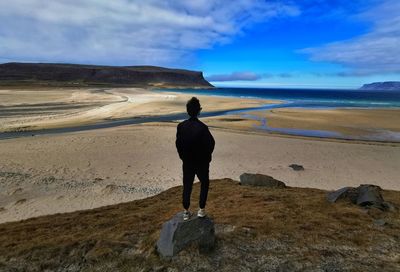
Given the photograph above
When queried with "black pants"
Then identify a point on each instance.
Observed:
(189, 171)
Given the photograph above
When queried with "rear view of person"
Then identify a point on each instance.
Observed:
(195, 145)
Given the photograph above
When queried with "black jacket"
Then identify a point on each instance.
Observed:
(194, 141)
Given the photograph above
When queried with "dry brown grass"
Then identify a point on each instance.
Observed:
(299, 217)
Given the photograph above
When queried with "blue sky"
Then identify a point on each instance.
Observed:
(287, 43)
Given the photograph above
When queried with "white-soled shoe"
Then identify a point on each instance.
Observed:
(201, 213)
(186, 215)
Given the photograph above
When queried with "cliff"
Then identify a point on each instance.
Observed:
(382, 86)
(87, 75)
(257, 229)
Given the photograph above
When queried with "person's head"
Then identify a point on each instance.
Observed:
(193, 107)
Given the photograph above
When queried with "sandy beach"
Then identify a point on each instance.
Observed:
(59, 173)
(65, 172)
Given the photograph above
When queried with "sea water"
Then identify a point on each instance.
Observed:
(311, 98)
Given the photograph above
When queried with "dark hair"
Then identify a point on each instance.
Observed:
(193, 107)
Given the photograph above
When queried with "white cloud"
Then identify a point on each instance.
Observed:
(160, 32)
(376, 52)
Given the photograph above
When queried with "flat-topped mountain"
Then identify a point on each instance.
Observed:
(84, 75)
(382, 86)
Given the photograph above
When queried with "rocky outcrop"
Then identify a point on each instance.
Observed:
(382, 86)
(260, 180)
(177, 234)
(365, 195)
(74, 74)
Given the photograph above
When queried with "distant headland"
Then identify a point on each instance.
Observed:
(56, 74)
(382, 86)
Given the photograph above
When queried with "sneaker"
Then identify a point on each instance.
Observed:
(201, 213)
(186, 215)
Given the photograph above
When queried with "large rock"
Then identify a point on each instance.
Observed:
(369, 195)
(365, 195)
(177, 234)
(260, 180)
(349, 193)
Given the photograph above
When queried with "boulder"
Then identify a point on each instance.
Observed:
(365, 195)
(177, 234)
(369, 195)
(297, 167)
(260, 180)
(349, 193)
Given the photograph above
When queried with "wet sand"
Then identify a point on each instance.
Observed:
(354, 124)
(345, 121)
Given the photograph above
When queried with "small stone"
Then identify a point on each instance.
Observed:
(297, 167)
(260, 180)
(380, 222)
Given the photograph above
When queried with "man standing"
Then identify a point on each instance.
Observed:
(195, 145)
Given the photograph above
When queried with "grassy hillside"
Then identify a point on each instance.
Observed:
(258, 229)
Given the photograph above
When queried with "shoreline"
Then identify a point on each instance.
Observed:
(90, 108)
